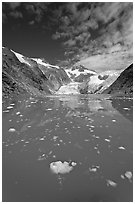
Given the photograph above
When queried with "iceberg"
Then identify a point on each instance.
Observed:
(59, 167)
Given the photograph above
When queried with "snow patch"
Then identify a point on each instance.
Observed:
(40, 61)
(21, 58)
(95, 80)
(76, 72)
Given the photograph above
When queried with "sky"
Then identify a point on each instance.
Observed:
(63, 32)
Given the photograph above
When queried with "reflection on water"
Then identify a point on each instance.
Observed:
(94, 132)
(124, 106)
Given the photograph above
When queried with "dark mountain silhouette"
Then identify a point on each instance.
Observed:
(123, 84)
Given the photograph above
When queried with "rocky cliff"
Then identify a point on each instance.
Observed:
(123, 84)
(21, 74)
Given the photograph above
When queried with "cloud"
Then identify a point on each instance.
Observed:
(16, 14)
(33, 11)
(36, 9)
(94, 27)
(14, 5)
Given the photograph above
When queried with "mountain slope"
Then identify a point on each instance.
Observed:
(79, 73)
(21, 74)
(99, 82)
(123, 84)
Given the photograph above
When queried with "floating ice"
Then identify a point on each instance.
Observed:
(122, 176)
(12, 130)
(126, 108)
(107, 140)
(128, 174)
(55, 137)
(5, 111)
(61, 167)
(41, 139)
(9, 107)
(121, 147)
(17, 113)
(73, 163)
(111, 183)
(113, 121)
(94, 169)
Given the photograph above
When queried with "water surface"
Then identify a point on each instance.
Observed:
(94, 131)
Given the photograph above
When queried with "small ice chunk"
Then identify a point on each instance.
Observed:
(17, 113)
(111, 183)
(97, 137)
(12, 130)
(86, 140)
(42, 138)
(126, 108)
(113, 121)
(94, 169)
(54, 156)
(73, 163)
(107, 140)
(122, 176)
(60, 167)
(42, 157)
(128, 174)
(121, 147)
(9, 107)
(5, 111)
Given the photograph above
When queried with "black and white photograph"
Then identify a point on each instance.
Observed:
(67, 101)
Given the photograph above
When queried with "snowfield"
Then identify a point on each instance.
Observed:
(21, 58)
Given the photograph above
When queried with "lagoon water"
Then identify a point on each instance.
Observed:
(95, 132)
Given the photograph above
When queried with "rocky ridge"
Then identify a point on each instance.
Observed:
(123, 84)
(21, 74)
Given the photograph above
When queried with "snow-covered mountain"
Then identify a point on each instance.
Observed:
(36, 76)
(102, 81)
(28, 61)
(79, 73)
(90, 82)
(21, 74)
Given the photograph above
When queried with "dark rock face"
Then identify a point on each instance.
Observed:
(103, 77)
(123, 84)
(83, 88)
(18, 77)
(57, 77)
(79, 73)
(82, 77)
